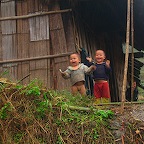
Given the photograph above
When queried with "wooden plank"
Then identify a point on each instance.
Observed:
(9, 52)
(8, 9)
(39, 31)
(39, 68)
(0, 38)
(36, 4)
(58, 43)
(7, 46)
(49, 74)
(8, 43)
(25, 24)
(22, 24)
(31, 6)
(69, 32)
(19, 13)
(39, 28)
(117, 63)
(23, 52)
(23, 41)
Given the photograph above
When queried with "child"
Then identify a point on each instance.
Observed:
(76, 72)
(101, 77)
(135, 92)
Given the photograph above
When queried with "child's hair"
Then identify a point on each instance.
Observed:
(76, 54)
(100, 50)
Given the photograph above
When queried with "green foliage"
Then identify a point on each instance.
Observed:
(6, 72)
(47, 116)
(34, 91)
(59, 141)
(104, 114)
(17, 137)
(33, 88)
(4, 110)
(19, 87)
(43, 106)
(95, 134)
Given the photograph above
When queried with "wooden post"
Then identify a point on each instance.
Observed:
(126, 56)
(132, 52)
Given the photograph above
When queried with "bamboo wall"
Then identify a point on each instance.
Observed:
(52, 35)
(34, 37)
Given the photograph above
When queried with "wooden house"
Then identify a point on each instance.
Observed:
(37, 36)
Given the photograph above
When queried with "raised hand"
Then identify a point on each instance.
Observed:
(89, 59)
(108, 63)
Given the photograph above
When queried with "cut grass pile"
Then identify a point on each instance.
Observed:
(32, 115)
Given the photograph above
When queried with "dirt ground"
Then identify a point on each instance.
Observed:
(128, 127)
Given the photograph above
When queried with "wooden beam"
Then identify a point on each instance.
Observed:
(34, 15)
(36, 58)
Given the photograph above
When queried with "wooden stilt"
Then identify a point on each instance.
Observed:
(126, 57)
(132, 51)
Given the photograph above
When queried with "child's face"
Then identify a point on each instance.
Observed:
(134, 85)
(100, 56)
(74, 60)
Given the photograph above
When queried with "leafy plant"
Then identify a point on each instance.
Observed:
(43, 106)
(33, 88)
(19, 87)
(104, 114)
(17, 137)
(4, 110)
(59, 141)
(95, 134)
(33, 91)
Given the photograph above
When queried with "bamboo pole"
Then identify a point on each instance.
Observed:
(132, 52)
(34, 15)
(103, 104)
(126, 56)
(36, 58)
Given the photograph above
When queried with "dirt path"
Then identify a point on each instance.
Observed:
(128, 128)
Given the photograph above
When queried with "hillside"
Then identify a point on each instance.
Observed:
(30, 114)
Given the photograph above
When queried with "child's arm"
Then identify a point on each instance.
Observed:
(65, 74)
(90, 61)
(89, 70)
